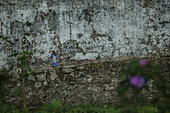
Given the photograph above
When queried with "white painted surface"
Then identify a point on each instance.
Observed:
(106, 28)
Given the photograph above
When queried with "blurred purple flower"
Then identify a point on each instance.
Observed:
(142, 81)
(137, 81)
(134, 80)
(142, 62)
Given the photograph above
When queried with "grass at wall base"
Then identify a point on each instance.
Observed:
(56, 107)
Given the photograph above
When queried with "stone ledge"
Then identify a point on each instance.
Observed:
(93, 62)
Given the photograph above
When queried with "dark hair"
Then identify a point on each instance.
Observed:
(53, 51)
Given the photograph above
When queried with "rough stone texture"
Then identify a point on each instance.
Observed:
(85, 83)
(83, 29)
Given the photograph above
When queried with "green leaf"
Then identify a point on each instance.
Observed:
(123, 87)
(15, 54)
(52, 107)
(27, 72)
(121, 75)
(27, 53)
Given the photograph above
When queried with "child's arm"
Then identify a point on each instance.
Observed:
(51, 56)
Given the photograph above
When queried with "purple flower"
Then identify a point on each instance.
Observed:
(134, 80)
(137, 81)
(142, 81)
(142, 62)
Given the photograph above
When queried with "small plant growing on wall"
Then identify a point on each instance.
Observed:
(23, 59)
(135, 84)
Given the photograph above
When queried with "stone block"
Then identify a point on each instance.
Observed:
(80, 68)
(67, 70)
(105, 87)
(53, 76)
(31, 77)
(96, 89)
(45, 83)
(89, 79)
(38, 84)
(41, 77)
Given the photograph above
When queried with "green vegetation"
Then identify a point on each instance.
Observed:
(23, 59)
(136, 80)
(8, 109)
(56, 107)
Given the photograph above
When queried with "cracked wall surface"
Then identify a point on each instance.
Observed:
(83, 29)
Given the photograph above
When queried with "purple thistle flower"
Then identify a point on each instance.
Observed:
(134, 80)
(142, 62)
(137, 81)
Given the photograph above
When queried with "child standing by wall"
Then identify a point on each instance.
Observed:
(52, 54)
(54, 60)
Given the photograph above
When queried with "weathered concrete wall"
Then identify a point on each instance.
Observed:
(76, 84)
(84, 29)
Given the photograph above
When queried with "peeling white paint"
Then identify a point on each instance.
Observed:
(100, 28)
(80, 56)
